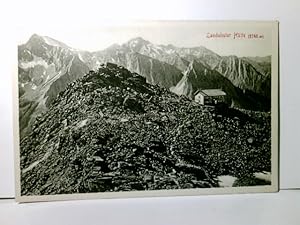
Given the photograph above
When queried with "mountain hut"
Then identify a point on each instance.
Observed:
(210, 96)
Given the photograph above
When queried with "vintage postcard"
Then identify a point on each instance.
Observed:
(147, 108)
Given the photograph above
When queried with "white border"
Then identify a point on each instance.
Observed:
(164, 193)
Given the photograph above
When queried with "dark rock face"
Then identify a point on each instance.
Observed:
(112, 131)
(198, 76)
(155, 71)
(76, 70)
(244, 75)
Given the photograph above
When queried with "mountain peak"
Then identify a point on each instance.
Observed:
(113, 47)
(170, 46)
(136, 43)
(36, 39)
(138, 39)
(53, 42)
(34, 36)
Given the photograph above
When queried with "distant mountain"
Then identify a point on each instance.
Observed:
(197, 76)
(142, 57)
(176, 56)
(262, 64)
(248, 74)
(241, 73)
(47, 66)
(155, 71)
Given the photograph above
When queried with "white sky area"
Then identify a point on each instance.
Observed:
(180, 34)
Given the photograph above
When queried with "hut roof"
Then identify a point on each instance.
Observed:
(211, 92)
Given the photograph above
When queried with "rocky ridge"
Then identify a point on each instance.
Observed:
(112, 131)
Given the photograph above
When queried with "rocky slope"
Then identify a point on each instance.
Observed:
(112, 131)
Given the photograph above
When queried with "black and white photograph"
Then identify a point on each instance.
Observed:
(147, 108)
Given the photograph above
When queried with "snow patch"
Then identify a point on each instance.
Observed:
(170, 51)
(34, 164)
(82, 123)
(133, 43)
(26, 50)
(226, 180)
(80, 56)
(52, 42)
(263, 176)
(155, 50)
(36, 61)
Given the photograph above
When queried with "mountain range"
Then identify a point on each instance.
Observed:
(46, 66)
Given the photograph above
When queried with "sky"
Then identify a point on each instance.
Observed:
(223, 38)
